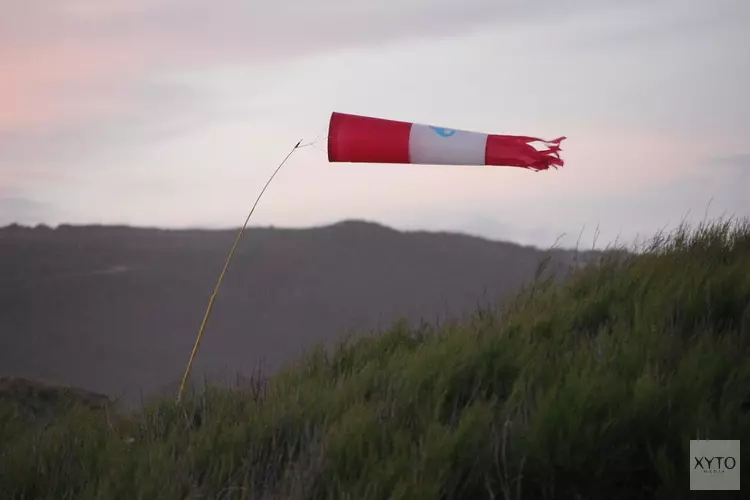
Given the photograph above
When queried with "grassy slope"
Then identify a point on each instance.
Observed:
(590, 389)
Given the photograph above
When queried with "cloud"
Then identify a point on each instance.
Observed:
(73, 60)
(147, 110)
(60, 61)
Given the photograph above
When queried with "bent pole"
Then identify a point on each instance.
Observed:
(211, 301)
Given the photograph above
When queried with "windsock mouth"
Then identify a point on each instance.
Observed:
(331, 136)
(363, 139)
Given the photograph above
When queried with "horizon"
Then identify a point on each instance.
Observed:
(158, 113)
(618, 245)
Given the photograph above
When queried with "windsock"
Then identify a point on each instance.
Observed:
(363, 139)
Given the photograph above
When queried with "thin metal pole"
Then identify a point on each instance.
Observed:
(221, 278)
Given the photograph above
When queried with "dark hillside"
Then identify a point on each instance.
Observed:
(116, 309)
(588, 389)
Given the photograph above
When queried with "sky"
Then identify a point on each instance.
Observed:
(174, 113)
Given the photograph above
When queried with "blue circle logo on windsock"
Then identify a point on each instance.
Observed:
(443, 132)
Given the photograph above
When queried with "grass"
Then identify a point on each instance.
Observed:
(587, 388)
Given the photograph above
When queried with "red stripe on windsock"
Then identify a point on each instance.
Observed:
(362, 139)
(515, 151)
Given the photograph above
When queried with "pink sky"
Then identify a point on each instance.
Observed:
(129, 112)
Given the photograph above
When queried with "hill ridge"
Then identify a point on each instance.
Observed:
(115, 309)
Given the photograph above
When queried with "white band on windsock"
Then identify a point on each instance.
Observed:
(439, 146)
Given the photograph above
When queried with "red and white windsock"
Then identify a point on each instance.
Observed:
(363, 139)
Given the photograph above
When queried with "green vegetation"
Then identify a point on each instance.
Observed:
(589, 388)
